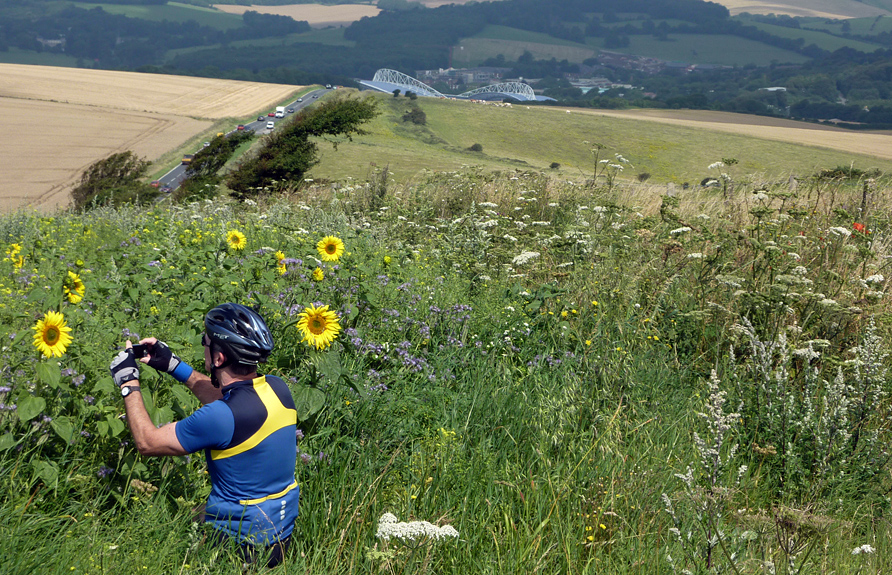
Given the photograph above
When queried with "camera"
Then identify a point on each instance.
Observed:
(140, 350)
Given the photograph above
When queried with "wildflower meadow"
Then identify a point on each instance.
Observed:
(494, 373)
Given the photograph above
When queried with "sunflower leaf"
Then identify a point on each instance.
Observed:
(29, 407)
(49, 373)
(64, 427)
(307, 401)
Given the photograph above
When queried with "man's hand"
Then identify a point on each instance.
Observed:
(161, 358)
(124, 368)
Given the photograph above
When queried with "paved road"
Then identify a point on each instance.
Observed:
(175, 177)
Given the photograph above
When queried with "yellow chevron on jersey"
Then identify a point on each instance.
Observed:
(278, 416)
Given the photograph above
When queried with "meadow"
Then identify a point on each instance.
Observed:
(670, 145)
(586, 377)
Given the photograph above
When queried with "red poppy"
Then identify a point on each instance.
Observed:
(860, 228)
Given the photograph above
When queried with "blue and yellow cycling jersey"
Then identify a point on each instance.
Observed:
(251, 450)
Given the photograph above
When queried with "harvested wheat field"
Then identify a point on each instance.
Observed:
(876, 144)
(158, 93)
(836, 9)
(316, 15)
(58, 121)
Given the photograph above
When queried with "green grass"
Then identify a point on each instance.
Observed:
(517, 35)
(860, 26)
(822, 40)
(533, 138)
(708, 49)
(172, 11)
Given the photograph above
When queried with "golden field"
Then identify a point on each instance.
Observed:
(58, 121)
(316, 15)
(836, 9)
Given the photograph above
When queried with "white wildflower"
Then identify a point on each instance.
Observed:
(760, 196)
(487, 224)
(866, 549)
(540, 223)
(680, 230)
(840, 231)
(510, 238)
(488, 205)
(565, 265)
(716, 165)
(391, 528)
(875, 279)
(695, 256)
(524, 257)
(599, 209)
(552, 204)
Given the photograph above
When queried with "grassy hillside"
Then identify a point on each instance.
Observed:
(579, 380)
(531, 137)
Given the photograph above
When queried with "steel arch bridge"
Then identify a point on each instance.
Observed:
(517, 90)
(524, 91)
(400, 79)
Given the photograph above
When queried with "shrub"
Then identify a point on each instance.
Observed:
(416, 115)
(114, 180)
(554, 166)
(476, 148)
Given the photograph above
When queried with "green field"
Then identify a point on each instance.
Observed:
(31, 58)
(822, 40)
(511, 43)
(708, 49)
(860, 26)
(172, 11)
(532, 137)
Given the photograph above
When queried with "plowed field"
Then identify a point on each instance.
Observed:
(58, 121)
(836, 9)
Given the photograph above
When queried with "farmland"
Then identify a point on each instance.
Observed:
(836, 9)
(317, 15)
(79, 116)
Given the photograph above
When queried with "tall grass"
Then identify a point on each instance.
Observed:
(548, 368)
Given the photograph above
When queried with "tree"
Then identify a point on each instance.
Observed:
(415, 115)
(114, 180)
(288, 153)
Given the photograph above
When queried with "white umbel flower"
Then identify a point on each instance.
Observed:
(524, 257)
(389, 527)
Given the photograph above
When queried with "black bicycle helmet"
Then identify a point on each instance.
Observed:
(239, 332)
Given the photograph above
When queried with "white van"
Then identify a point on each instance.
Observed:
(270, 125)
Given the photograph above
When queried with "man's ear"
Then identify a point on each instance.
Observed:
(219, 359)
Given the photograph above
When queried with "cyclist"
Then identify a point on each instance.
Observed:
(246, 427)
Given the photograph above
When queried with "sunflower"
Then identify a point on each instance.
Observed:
(52, 334)
(318, 274)
(319, 326)
(236, 240)
(330, 248)
(74, 288)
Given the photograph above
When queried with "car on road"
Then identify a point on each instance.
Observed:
(271, 115)
(328, 86)
(270, 125)
(260, 118)
(155, 183)
(240, 128)
(187, 159)
(290, 110)
(165, 189)
(300, 99)
(315, 96)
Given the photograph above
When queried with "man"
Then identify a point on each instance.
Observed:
(246, 427)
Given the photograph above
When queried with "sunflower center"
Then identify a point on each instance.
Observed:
(51, 335)
(331, 249)
(316, 326)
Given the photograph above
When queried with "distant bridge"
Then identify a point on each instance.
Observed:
(386, 80)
